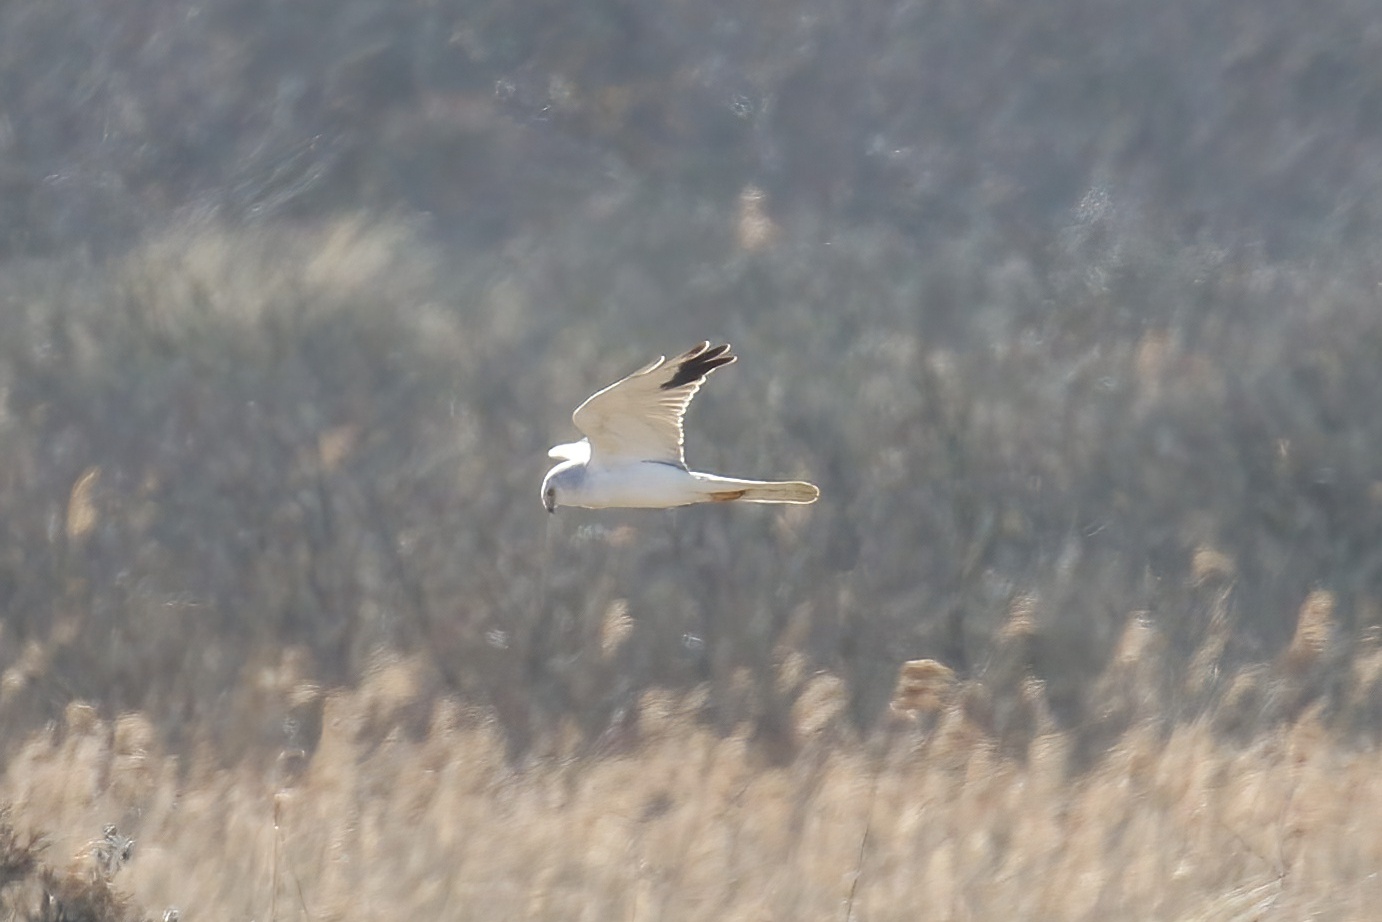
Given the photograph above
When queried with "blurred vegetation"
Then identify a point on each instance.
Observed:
(1243, 123)
(1071, 310)
(682, 821)
(31, 889)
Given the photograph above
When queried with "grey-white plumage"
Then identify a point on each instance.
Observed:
(632, 454)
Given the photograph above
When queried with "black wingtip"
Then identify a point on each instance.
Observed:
(698, 363)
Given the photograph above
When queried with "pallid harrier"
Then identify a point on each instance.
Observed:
(631, 455)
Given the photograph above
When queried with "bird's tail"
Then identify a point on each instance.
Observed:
(732, 489)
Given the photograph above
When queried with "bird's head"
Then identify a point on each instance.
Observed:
(557, 481)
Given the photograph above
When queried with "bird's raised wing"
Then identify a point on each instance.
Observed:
(639, 418)
(571, 451)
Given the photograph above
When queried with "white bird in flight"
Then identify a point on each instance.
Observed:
(631, 455)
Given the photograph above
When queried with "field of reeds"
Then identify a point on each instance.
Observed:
(410, 805)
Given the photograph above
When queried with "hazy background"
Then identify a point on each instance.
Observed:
(1070, 308)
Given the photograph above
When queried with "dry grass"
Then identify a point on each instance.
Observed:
(392, 817)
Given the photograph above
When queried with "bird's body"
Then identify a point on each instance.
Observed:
(632, 456)
(660, 485)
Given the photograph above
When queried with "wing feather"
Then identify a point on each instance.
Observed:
(571, 451)
(639, 418)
